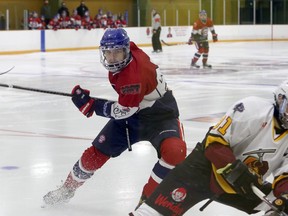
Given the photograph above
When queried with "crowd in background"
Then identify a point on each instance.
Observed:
(79, 19)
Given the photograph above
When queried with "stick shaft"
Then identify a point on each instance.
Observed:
(43, 91)
(262, 196)
(173, 44)
(36, 90)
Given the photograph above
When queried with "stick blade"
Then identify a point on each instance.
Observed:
(4, 72)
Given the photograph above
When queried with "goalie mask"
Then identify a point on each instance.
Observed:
(115, 49)
(281, 97)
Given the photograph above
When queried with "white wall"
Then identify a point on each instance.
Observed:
(18, 41)
(30, 40)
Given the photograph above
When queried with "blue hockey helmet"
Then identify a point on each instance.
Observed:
(115, 49)
(203, 16)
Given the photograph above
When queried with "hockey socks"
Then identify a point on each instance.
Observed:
(91, 160)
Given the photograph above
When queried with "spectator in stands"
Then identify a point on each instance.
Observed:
(97, 21)
(34, 21)
(82, 9)
(100, 12)
(76, 20)
(54, 23)
(64, 21)
(2, 21)
(110, 20)
(63, 8)
(121, 22)
(43, 23)
(103, 21)
(46, 11)
(87, 21)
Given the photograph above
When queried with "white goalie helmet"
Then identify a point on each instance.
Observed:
(281, 100)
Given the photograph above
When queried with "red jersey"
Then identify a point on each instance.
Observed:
(76, 20)
(202, 28)
(35, 23)
(64, 22)
(53, 24)
(136, 80)
(96, 23)
(120, 23)
(110, 23)
(87, 23)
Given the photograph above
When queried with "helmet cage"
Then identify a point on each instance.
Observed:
(281, 101)
(203, 16)
(115, 66)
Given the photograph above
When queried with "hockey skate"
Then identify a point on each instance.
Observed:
(58, 196)
(194, 65)
(207, 66)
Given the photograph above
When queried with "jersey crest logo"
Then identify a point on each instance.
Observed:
(118, 112)
(239, 107)
(179, 194)
(102, 139)
(204, 31)
(131, 89)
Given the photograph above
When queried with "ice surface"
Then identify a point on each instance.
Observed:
(43, 135)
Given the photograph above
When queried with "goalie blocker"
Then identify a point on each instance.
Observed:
(189, 183)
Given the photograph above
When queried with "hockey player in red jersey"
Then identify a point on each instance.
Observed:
(145, 110)
(110, 20)
(87, 21)
(199, 35)
(248, 145)
(35, 22)
(103, 21)
(121, 22)
(54, 23)
(97, 21)
(64, 21)
(75, 20)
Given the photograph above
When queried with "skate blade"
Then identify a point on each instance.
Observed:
(55, 205)
(194, 68)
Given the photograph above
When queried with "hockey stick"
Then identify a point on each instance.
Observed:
(1, 73)
(263, 197)
(174, 44)
(40, 90)
(35, 90)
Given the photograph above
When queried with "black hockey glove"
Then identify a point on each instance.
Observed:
(83, 101)
(215, 37)
(190, 41)
(240, 177)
